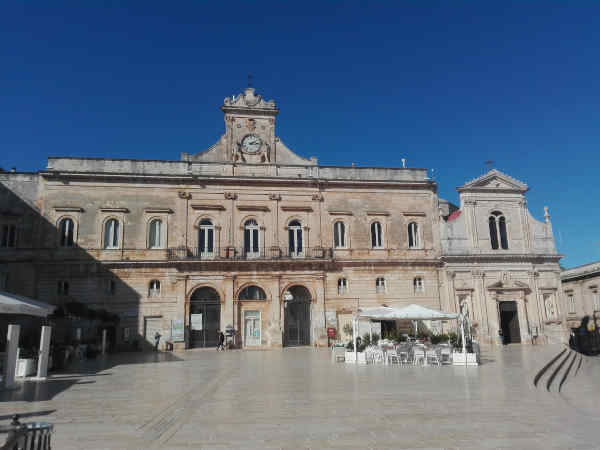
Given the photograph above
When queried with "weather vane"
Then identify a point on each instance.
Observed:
(249, 80)
(489, 163)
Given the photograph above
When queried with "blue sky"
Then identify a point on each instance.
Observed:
(446, 85)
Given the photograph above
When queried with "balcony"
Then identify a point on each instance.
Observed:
(236, 253)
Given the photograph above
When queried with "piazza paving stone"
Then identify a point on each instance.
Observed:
(298, 398)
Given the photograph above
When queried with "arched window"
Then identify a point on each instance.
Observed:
(295, 238)
(342, 286)
(251, 239)
(111, 234)
(376, 235)
(413, 235)
(66, 229)
(498, 234)
(206, 238)
(155, 237)
(418, 284)
(154, 288)
(252, 293)
(380, 284)
(8, 237)
(339, 235)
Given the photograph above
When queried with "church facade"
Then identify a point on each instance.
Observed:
(250, 235)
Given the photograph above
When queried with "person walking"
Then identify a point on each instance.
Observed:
(156, 340)
(221, 340)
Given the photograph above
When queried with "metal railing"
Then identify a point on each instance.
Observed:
(27, 436)
(236, 253)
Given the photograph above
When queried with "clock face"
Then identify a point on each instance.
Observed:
(251, 143)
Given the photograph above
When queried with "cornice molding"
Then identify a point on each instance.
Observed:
(206, 207)
(111, 209)
(68, 209)
(253, 208)
(158, 211)
(297, 208)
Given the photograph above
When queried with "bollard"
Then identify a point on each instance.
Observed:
(42, 371)
(12, 345)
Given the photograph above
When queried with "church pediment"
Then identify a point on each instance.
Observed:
(495, 180)
(508, 285)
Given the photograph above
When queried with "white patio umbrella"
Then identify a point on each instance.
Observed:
(17, 304)
(410, 312)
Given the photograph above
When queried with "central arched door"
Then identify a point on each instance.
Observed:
(205, 317)
(297, 317)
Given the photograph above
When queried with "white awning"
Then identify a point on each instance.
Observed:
(411, 312)
(16, 304)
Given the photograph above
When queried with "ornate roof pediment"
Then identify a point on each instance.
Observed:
(495, 180)
(249, 100)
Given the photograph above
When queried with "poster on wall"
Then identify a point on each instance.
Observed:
(196, 322)
(177, 330)
(331, 319)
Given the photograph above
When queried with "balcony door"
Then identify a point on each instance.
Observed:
(251, 239)
(206, 239)
(295, 239)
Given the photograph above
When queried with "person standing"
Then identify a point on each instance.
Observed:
(156, 341)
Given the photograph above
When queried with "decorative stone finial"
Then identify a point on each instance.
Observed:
(546, 214)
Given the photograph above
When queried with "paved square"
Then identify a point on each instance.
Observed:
(298, 398)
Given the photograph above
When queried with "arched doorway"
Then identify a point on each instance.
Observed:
(296, 323)
(205, 317)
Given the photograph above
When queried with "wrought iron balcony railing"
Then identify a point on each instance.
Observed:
(236, 253)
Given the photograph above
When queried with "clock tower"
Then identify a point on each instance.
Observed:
(250, 128)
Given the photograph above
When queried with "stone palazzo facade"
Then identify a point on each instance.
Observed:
(250, 234)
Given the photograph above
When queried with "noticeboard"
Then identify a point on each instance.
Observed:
(196, 322)
(177, 331)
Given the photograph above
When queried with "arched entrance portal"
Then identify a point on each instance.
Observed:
(205, 317)
(297, 317)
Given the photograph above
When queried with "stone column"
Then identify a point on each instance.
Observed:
(42, 371)
(12, 345)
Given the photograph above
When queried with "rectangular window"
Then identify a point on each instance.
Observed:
(3, 281)
(62, 288)
(380, 285)
(596, 300)
(8, 235)
(110, 286)
(571, 304)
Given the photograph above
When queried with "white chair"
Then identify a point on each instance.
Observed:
(446, 355)
(432, 357)
(418, 355)
(393, 357)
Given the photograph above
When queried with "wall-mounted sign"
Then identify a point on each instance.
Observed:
(177, 330)
(196, 322)
(331, 333)
(331, 319)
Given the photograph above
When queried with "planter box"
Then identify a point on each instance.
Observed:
(362, 357)
(458, 359)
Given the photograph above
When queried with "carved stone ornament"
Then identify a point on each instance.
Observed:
(184, 195)
(276, 197)
(249, 99)
(230, 195)
(318, 197)
(251, 124)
